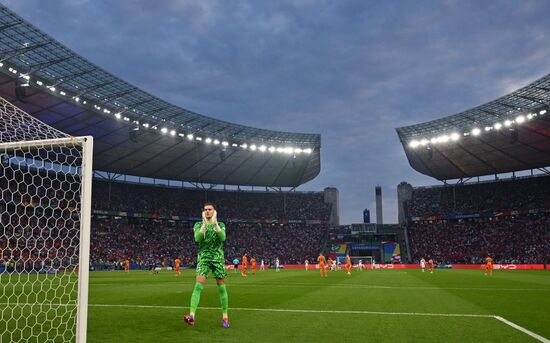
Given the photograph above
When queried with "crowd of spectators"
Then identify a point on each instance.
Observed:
(524, 239)
(169, 201)
(159, 242)
(512, 194)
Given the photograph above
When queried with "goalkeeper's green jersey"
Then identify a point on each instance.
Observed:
(211, 245)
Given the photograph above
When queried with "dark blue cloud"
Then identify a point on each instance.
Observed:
(350, 70)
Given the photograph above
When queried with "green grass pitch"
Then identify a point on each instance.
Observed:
(300, 306)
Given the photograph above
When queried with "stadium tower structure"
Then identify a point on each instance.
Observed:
(136, 133)
(509, 134)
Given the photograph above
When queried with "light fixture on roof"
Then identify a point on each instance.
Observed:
(173, 132)
(476, 131)
(520, 119)
(216, 142)
(279, 149)
(413, 144)
(542, 112)
(262, 148)
(507, 123)
(253, 147)
(224, 143)
(308, 151)
(164, 130)
(190, 136)
(208, 140)
(424, 141)
(297, 151)
(497, 126)
(117, 115)
(444, 138)
(146, 125)
(244, 146)
(198, 139)
(455, 136)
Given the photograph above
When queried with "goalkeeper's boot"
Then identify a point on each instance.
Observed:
(225, 323)
(189, 319)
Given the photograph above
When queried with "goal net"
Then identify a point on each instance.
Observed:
(45, 183)
(367, 261)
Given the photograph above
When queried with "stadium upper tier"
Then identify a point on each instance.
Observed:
(135, 132)
(508, 134)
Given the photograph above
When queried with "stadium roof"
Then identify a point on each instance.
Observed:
(135, 132)
(508, 134)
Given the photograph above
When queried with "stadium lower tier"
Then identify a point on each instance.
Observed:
(512, 240)
(150, 242)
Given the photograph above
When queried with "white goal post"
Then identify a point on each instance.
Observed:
(367, 260)
(45, 212)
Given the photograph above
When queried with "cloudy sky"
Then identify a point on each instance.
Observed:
(350, 70)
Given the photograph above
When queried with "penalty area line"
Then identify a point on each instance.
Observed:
(462, 315)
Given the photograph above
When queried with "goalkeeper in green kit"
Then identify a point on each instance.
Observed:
(209, 235)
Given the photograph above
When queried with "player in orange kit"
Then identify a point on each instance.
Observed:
(431, 265)
(322, 268)
(127, 266)
(489, 266)
(245, 265)
(330, 264)
(177, 266)
(253, 265)
(348, 264)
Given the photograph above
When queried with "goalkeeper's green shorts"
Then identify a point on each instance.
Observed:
(216, 267)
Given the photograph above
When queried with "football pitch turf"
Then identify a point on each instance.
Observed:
(299, 306)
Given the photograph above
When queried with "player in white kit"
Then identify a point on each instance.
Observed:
(277, 264)
(262, 265)
(307, 264)
(422, 264)
(360, 265)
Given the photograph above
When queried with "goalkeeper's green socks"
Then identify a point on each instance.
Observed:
(224, 300)
(195, 297)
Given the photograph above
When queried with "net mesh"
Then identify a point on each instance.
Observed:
(40, 214)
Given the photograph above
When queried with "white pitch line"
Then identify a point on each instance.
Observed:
(522, 329)
(309, 311)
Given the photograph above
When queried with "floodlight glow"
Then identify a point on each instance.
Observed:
(271, 149)
(164, 130)
(216, 142)
(444, 138)
(234, 145)
(244, 146)
(146, 125)
(190, 137)
(253, 147)
(84, 102)
(62, 93)
(39, 83)
(542, 112)
(476, 131)
(181, 135)
(497, 126)
(1, 64)
(199, 139)
(173, 132)
(308, 150)
(507, 123)
(488, 128)
(279, 149)
(424, 141)
(433, 140)
(224, 143)
(530, 116)
(455, 136)
(297, 151)
(414, 144)
(288, 150)
(208, 140)
(520, 119)
(77, 99)
(262, 148)
(126, 119)
(117, 115)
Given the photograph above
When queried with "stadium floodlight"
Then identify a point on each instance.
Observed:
(279, 149)
(414, 144)
(424, 142)
(198, 138)
(433, 140)
(297, 151)
(262, 148)
(507, 123)
(308, 151)
(244, 146)
(164, 130)
(497, 126)
(126, 119)
(1, 64)
(455, 136)
(271, 149)
(224, 143)
(208, 140)
(542, 112)
(117, 115)
(216, 142)
(234, 145)
(173, 132)
(476, 131)
(530, 116)
(253, 147)
(40, 83)
(190, 136)
(443, 138)
(62, 93)
(146, 125)
(488, 128)
(520, 119)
